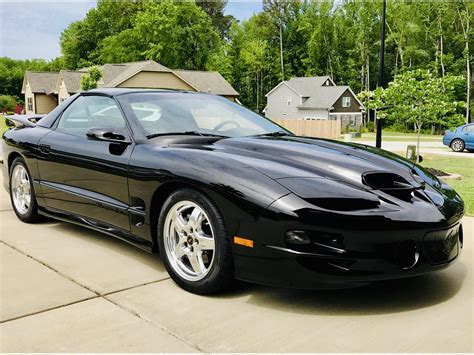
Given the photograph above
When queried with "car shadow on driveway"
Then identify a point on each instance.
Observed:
(384, 297)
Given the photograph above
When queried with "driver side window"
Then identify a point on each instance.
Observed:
(90, 112)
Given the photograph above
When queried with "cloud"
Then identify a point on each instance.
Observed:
(32, 29)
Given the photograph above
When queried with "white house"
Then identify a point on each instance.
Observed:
(314, 98)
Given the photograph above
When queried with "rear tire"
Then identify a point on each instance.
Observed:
(457, 145)
(193, 242)
(22, 193)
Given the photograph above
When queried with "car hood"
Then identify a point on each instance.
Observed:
(300, 157)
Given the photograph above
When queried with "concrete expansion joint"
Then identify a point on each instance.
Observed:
(156, 325)
(50, 267)
(97, 295)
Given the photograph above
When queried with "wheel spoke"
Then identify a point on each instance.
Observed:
(179, 251)
(196, 218)
(196, 262)
(179, 222)
(205, 242)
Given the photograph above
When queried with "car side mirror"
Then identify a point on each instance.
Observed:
(112, 135)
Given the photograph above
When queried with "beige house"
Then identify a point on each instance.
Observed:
(40, 91)
(44, 90)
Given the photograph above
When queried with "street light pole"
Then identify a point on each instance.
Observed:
(378, 137)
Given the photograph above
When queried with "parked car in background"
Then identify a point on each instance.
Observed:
(462, 138)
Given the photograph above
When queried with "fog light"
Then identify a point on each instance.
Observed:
(297, 237)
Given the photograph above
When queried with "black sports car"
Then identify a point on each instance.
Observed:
(224, 193)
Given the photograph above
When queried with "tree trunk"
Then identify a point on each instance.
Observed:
(281, 54)
(466, 30)
(367, 75)
(441, 48)
(257, 91)
(468, 74)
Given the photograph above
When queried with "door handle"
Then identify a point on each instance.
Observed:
(45, 149)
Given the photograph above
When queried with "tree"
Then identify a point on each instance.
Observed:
(465, 12)
(215, 10)
(420, 98)
(177, 35)
(7, 103)
(12, 72)
(89, 80)
(81, 41)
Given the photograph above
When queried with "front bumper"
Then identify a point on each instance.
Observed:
(347, 250)
(287, 267)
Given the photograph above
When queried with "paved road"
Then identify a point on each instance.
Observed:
(66, 288)
(400, 147)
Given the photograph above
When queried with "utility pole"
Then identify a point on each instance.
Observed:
(378, 137)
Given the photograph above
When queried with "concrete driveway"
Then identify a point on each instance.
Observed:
(65, 288)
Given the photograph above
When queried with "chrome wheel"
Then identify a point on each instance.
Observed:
(457, 145)
(188, 238)
(21, 189)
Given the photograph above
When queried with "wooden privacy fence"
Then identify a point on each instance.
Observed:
(311, 128)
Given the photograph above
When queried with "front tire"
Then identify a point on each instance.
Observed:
(193, 243)
(457, 145)
(22, 193)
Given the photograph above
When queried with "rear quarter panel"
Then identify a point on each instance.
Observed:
(23, 142)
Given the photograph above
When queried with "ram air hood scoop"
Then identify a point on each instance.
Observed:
(289, 157)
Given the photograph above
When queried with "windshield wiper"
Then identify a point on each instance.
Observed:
(186, 133)
(274, 134)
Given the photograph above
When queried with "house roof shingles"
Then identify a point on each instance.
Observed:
(207, 81)
(72, 80)
(114, 74)
(42, 82)
(307, 87)
(324, 98)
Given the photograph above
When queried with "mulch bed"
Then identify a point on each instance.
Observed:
(437, 172)
(444, 175)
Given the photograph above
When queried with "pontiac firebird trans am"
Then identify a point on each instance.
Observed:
(224, 193)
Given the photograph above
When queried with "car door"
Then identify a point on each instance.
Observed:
(84, 177)
(468, 136)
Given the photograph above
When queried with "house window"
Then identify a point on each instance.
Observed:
(288, 101)
(29, 102)
(346, 101)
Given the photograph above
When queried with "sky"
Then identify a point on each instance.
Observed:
(31, 29)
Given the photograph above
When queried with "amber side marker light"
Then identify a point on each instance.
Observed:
(243, 241)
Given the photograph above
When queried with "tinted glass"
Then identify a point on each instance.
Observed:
(90, 112)
(161, 113)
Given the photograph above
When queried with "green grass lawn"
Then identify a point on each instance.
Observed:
(3, 125)
(462, 166)
(401, 137)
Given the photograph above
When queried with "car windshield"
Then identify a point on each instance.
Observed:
(163, 113)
